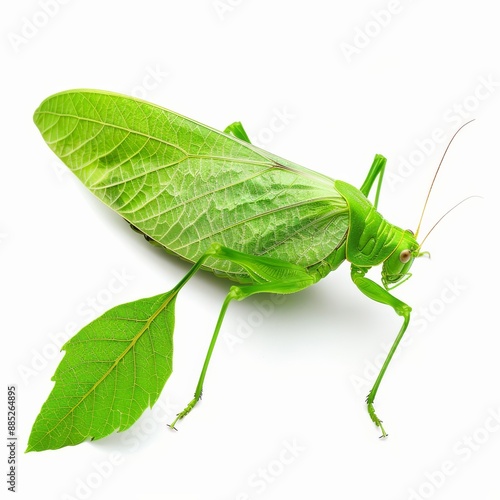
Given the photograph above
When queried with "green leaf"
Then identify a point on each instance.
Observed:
(113, 369)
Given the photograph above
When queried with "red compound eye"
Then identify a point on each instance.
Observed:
(405, 256)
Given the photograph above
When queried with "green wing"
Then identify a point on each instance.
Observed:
(186, 185)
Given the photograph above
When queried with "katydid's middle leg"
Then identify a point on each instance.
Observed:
(270, 276)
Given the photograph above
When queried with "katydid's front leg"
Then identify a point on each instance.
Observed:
(379, 294)
(269, 276)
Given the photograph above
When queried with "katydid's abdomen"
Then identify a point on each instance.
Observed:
(185, 185)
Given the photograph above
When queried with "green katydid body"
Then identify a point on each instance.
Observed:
(185, 186)
(214, 199)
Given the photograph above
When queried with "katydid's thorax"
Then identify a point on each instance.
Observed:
(371, 240)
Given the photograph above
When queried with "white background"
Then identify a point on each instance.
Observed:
(301, 374)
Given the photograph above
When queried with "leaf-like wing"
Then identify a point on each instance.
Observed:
(113, 369)
(186, 185)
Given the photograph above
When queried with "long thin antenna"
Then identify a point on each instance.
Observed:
(443, 216)
(434, 179)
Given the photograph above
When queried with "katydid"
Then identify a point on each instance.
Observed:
(221, 203)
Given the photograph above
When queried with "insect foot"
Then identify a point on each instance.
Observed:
(373, 416)
(184, 412)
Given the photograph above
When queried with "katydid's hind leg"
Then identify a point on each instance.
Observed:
(291, 279)
(379, 294)
(199, 388)
(236, 130)
(376, 170)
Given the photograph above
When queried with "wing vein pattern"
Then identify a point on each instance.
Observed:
(186, 185)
